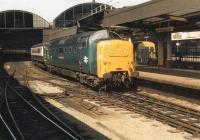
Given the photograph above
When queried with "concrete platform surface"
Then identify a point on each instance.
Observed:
(186, 82)
(170, 71)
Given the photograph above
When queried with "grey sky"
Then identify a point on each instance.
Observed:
(49, 9)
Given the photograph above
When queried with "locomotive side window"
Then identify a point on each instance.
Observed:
(70, 49)
(61, 53)
(61, 50)
(84, 42)
(70, 42)
(75, 50)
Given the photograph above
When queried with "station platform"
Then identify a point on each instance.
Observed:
(170, 76)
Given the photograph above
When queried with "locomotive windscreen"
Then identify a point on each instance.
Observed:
(100, 35)
(103, 35)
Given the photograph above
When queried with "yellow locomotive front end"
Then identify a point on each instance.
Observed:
(115, 62)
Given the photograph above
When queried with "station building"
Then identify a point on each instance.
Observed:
(173, 25)
(174, 28)
(70, 16)
(19, 30)
(66, 22)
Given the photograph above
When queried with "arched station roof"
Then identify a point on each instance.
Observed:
(21, 19)
(69, 17)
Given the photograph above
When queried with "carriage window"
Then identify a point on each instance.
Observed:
(36, 50)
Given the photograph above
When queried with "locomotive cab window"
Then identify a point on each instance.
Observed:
(114, 35)
(100, 35)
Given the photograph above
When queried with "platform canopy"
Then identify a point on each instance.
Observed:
(17, 19)
(70, 16)
(162, 15)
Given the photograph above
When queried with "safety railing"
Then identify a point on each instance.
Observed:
(100, 9)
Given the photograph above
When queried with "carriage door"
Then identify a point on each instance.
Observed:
(83, 55)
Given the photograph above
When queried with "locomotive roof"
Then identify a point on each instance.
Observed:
(77, 35)
(62, 40)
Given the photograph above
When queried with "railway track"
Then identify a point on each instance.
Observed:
(26, 118)
(180, 117)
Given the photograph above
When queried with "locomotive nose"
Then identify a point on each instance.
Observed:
(114, 56)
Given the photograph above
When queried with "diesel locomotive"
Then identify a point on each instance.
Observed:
(146, 53)
(96, 58)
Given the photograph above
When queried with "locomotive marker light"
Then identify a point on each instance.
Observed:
(112, 51)
(85, 59)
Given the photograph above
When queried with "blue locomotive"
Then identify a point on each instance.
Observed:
(97, 58)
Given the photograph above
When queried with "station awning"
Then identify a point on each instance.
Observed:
(154, 12)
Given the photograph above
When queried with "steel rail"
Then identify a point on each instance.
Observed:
(1, 117)
(162, 110)
(30, 105)
(54, 116)
(8, 107)
(152, 107)
(8, 128)
(44, 116)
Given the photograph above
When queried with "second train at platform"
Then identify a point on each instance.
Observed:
(97, 58)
